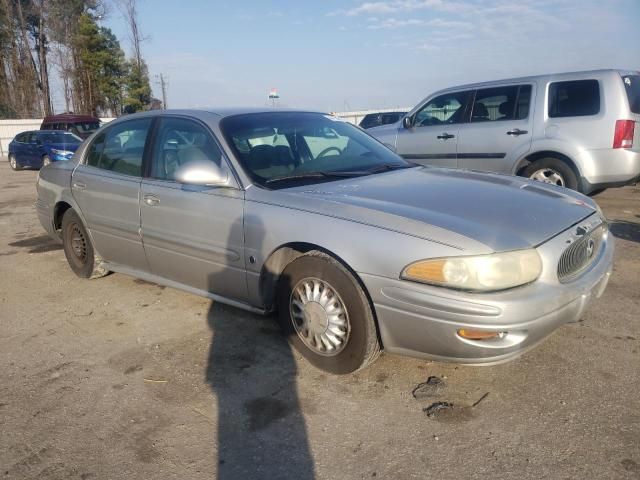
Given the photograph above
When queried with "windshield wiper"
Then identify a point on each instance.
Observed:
(314, 174)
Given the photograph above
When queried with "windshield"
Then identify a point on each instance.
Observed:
(304, 147)
(632, 86)
(85, 127)
(60, 137)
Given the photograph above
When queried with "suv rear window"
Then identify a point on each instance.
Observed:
(576, 98)
(632, 86)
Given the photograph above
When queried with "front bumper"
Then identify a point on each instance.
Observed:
(423, 321)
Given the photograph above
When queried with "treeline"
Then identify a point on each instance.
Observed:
(39, 37)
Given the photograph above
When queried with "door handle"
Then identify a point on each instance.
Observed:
(445, 136)
(151, 200)
(79, 185)
(516, 131)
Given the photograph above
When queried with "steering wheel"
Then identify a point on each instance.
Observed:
(327, 150)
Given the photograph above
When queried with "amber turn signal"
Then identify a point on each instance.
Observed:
(479, 334)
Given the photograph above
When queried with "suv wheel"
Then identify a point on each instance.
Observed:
(552, 171)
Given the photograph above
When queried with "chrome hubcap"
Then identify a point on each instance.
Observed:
(46, 161)
(548, 175)
(12, 160)
(319, 316)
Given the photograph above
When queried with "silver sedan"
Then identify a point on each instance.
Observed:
(356, 249)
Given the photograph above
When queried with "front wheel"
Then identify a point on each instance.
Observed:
(552, 171)
(46, 160)
(14, 163)
(326, 314)
(78, 248)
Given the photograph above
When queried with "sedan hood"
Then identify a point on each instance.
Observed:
(501, 212)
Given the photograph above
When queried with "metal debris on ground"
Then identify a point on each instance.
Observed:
(480, 399)
(430, 388)
(436, 408)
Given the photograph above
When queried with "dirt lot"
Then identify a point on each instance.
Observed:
(118, 378)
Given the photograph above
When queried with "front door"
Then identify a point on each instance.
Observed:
(499, 131)
(107, 189)
(192, 234)
(432, 138)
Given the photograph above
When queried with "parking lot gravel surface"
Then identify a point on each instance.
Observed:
(118, 378)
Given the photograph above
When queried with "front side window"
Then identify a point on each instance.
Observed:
(282, 149)
(632, 87)
(443, 110)
(179, 142)
(120, 149)
(576, 98)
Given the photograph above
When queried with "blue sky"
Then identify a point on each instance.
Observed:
(350, 55)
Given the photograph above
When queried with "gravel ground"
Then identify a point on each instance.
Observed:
(118, 378)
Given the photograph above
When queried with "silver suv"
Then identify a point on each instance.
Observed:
(578, 130)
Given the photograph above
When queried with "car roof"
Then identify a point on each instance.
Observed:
(554, 76)
(211, 114)
(70, 117)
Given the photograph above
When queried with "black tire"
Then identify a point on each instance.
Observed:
(78, 248)
(13, 163)
(361, 347)
(568, 176)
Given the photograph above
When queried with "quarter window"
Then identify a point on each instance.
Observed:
(179, 142)
(121, 148)
(445, 109)
(576, 98)
(632, 86)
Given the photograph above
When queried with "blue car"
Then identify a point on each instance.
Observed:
(41, 147)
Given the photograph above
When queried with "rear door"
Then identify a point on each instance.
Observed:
(106, 187)
(192, 234)
(433, 137)
(500, 129)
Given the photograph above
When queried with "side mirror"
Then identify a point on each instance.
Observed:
(407, 122)
(202, 172)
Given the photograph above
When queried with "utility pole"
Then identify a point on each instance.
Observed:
(163, 85)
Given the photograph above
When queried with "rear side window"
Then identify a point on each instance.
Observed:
(493, 104)
(632, 86)
(576, 98)
(120, 149)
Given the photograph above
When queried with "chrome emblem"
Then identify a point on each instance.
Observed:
(591, 246)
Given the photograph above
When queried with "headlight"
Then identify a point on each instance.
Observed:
(483, 273)
(62, 153)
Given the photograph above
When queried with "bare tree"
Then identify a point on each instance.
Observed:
(130, 11)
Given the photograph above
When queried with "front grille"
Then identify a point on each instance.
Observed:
(580, 254)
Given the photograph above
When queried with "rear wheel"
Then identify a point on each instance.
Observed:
(553, 171)
(14, 163)
(78, 248)
(326, 314)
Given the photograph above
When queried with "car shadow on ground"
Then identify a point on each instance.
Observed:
(39, 244)
(252, 372)
(625, 230)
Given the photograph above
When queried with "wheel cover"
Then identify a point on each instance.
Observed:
(78, 243)
(319, 316)
(548, 175)
(46, 161)
(12, 161)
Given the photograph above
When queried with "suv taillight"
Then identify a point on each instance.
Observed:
(623, 136)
